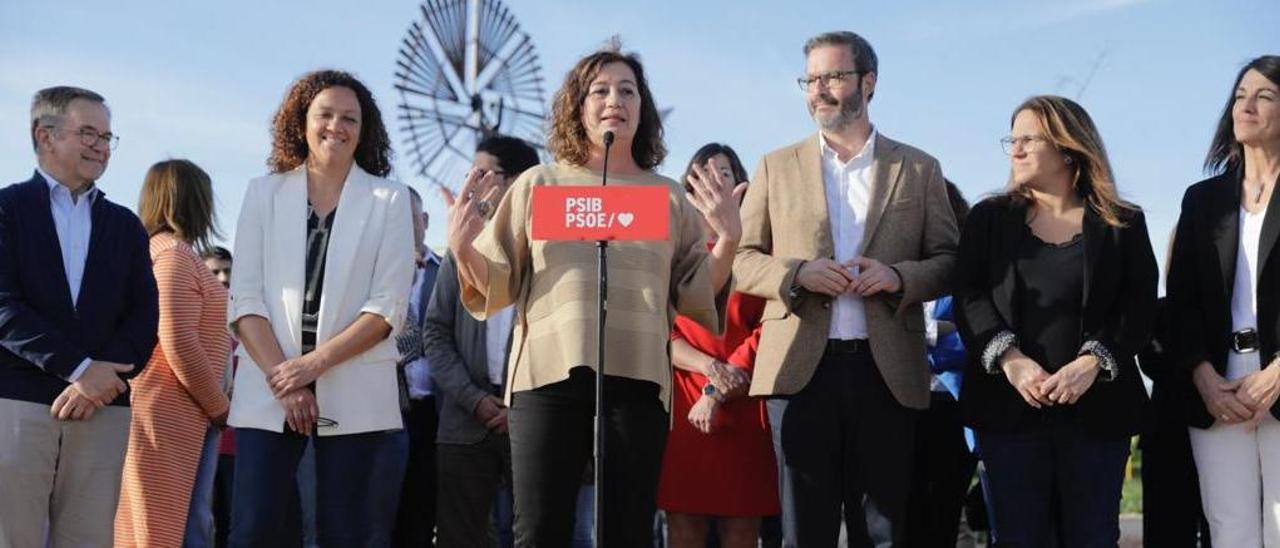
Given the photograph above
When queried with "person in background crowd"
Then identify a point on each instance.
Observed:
(470, 370)
(719, 458)
(1224, 294)
(1055, 293)
(845, 234)
(321, 286)
(416, 516)
(944, 460)
(178, 400)
(78, 317)
(1172, 515)
(550, 384)
(219, 262)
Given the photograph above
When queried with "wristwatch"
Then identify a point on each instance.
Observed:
(710, 391)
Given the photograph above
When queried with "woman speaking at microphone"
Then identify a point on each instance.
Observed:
(551, 374)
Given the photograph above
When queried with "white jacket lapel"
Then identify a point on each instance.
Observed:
(354, 205)
(287, 257)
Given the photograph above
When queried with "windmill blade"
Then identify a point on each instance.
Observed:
(449, 102)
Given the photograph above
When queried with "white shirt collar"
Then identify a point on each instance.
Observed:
(54, 185)
(864, 156)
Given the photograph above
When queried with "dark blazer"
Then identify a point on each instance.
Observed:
(455, 344)
(1202, 274)
(43, 338)
(1119, 306)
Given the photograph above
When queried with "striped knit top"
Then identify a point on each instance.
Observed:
(553, 287)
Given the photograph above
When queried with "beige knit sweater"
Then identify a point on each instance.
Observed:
(553, 286)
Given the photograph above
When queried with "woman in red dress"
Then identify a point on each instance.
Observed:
(719, 458)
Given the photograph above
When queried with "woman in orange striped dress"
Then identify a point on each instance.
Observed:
(180, 392)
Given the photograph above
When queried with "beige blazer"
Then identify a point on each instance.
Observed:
(369, 268)
(910, 226)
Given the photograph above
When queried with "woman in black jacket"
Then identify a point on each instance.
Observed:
(1224, 288)
(1055, 294)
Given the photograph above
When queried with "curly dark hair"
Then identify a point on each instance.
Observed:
(568, 138)
(289, 128)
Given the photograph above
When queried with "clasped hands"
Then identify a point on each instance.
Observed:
(1040, 389)
(290, 382)
(862, 276)
(98, 385)
(1247, 399)
(729, 382)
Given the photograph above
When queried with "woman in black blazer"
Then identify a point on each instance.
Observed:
(1224, 288)
(1055, 292)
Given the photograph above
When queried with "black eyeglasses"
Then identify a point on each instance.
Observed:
(828, 79)
(326, 423)
(90, 137)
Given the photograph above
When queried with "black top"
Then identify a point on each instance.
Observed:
(318, 231)
(1112, 283)
(1050, 286)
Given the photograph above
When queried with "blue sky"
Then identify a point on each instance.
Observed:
(202, 80)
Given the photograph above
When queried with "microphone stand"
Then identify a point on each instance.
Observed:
(602, 252)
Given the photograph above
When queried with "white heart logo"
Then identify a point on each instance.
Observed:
(626, 218)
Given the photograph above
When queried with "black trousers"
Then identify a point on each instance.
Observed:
(845, 450)
(551, 443)
(1172, 515)
(469, 479)
(943, 472)
(416, 516)
(223, 480)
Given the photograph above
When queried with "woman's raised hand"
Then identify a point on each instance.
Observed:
(716, 194)
(472, 206)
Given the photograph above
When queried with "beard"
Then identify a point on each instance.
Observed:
(849, 109)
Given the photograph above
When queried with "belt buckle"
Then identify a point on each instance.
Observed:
(1244, 341)
(852, 346)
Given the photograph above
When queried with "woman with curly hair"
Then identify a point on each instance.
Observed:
(324, 262)
(550, 377)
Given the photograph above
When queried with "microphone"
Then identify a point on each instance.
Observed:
(608, 142)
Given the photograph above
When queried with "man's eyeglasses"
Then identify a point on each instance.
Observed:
(828, 79)
(326, 423)
(1028, 143)
(90, 137)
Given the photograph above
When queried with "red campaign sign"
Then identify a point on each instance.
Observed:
(600, 213)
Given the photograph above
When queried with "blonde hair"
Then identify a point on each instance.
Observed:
(177, 197)
(1072, 132)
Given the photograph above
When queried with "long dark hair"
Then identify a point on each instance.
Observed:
(289, 129)
(568, 138)
(1225, 153)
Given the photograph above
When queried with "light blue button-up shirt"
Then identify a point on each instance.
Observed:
(73, 219)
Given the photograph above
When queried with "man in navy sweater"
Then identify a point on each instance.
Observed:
(78, 317)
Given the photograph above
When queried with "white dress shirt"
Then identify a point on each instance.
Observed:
(73, 220)
(848, 188)
(497, 331)
(1244, 296)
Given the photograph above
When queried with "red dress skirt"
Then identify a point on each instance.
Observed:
(730, 472)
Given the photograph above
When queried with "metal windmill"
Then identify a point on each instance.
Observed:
(466, 71)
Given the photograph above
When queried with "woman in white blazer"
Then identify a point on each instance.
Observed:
(324, 262)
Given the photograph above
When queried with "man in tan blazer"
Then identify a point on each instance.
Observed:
(845, 233)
